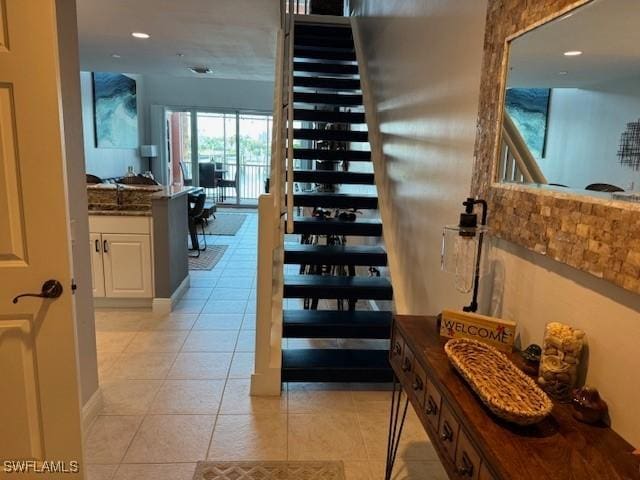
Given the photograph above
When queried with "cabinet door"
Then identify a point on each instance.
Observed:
(127, 265)
(97, 269)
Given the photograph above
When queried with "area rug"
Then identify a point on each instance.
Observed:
(207, 259)
(225, 224)
(284, 470)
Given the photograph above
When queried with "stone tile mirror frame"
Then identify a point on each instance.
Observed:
(598, 236)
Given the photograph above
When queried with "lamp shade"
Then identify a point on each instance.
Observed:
(148, 151)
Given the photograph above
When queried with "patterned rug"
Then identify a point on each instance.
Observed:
(225, 224)
(284, 470)
(207, 259)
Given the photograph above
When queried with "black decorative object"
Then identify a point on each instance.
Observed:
(629, 150)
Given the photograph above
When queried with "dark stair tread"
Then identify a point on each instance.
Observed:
(328, 116)
(329, 226)
(333, 31)
(336, 200)
(332, 135)
(320, 365)
(324, 54)
(302, 39)
(325, 67)
(336, 324)
(335, 255)
(327, 98)
(329, 83)
(333, 177)
(336, 155)
(330, 287)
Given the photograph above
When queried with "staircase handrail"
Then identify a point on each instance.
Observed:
(518, 164)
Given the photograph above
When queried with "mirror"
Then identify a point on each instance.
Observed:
(572, 103)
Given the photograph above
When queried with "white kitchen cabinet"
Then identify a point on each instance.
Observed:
(97, 268)
(127, 265)
(121, 258)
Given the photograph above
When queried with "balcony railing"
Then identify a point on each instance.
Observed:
(251, 181)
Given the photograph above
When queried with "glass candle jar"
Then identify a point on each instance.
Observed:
(561, 350)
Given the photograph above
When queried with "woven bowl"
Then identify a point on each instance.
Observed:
(502, 387)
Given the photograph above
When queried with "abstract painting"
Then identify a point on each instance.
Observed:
(115, 110)
(529, 110)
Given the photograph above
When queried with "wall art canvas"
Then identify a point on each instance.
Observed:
(529, 110)
(115, 110)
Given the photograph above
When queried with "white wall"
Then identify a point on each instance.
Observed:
(423, 58)
(423, 61)
(109, 162)
(72, 118)
(584, 134)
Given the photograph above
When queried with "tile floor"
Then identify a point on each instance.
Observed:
(176, 391)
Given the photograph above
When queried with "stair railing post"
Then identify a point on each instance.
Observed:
(289, 163)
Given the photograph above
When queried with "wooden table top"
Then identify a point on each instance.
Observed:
(560, 447)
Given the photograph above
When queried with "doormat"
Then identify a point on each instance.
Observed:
(207, 259)
(225, 224)
(283, 470)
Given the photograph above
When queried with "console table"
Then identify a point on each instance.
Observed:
(474, 444)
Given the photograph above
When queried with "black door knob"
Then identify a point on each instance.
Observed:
(50, 289)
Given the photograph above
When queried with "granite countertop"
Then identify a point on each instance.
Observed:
(173, 191)
(121, 213)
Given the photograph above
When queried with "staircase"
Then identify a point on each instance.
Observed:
(326, 90)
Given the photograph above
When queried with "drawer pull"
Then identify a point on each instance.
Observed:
(406, 365)
(417, 384)
(447, 432)
(432, 408)
(397, 348)
(466, 467)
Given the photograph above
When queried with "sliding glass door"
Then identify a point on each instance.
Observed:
(227, 153)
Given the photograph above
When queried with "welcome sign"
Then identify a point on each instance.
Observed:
(493, 331)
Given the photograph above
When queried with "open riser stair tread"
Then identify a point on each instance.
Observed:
(331, 135)
(324, 365)
(336, 155)
(336, 324)
(328, 83)
(336, 200)
(327, 99)
(346, 55)
(309, 115)
(333, 177)
(334, 226)
(334, 287)
(335, 255)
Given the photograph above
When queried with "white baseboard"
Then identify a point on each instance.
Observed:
(122, 302)
(164, 306)
(91, 409)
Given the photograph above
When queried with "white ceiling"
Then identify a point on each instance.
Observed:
(236, 38)
(605, 30)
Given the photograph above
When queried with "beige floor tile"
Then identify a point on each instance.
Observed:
(221, 321)
(106, 362)
(372, 398)
(150, 471)
(320, 398)
(246, 341)
(358, 471)
(411, 470)
(108, 438)
(157, 341)
(242, 365)
(188, 397)
(100, 472)
(171, 438)
(201, 366)
(174, 321)
(144, 366)
(113, 342)
(128, 397)
(249, 437)
(414, 444)
(211, 341)
(237, 400)
(325, 437)
(198, 293)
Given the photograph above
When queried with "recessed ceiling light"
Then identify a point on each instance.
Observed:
(179, 54)
(563, 73)
(115, 55)
(140, 35)
(572, 53)
(201, 70)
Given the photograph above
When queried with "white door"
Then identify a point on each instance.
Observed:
(127, 265)
(97, 269)
(39, 399)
